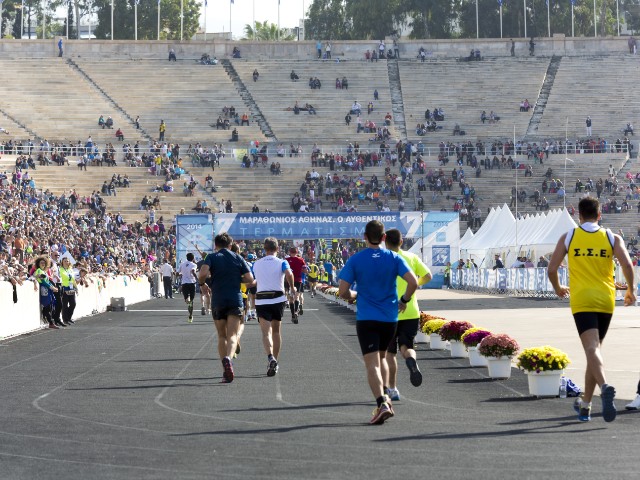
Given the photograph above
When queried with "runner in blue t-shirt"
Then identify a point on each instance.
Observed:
(375, 271)
(227, 269)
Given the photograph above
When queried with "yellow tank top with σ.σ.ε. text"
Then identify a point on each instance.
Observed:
(590, 256)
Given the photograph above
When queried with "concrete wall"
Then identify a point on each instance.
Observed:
(351, 50)
(24, 316)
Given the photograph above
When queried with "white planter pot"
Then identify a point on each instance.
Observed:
(475, 359)
(499, 367)
(544, 384)
(436, 343)
(422, 338)
(458, 350)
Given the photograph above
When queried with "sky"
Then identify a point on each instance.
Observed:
(242, 13)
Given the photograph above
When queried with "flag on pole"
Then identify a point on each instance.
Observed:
(499, 2)
(205, 3)
(573, 2)
(232, 1)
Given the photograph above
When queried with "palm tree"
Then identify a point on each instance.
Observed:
(266, 32)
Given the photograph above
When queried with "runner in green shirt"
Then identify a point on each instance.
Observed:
(408, 321)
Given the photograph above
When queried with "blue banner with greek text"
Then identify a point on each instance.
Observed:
(308, 226)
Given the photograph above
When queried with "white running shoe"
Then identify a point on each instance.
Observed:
(635, 405)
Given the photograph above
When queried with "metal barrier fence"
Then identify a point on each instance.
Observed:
(519, 282)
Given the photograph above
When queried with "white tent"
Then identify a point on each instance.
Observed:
(530, 236)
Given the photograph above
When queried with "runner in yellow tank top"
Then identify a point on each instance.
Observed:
(590, 250)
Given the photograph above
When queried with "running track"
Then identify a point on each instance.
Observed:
(136, 395)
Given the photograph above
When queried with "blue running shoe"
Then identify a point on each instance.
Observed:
(394, 394)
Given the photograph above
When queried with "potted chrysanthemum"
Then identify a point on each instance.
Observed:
(499, 349)
(544, 367)
(421, 337)
(470, 339)
(452, 332)
(432, 329)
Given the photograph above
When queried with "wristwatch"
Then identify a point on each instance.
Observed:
(403, 300)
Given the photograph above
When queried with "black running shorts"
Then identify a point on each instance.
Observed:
(189, 291)
(253, 290)
(299, 287)
(405, 335)
(273, 311)
(375, 336)
(221, 313)
(589, 320)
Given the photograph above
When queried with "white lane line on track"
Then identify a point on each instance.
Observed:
(361, 360)
(111, 465)
(59, 347)
(163, 310)
(36, 402)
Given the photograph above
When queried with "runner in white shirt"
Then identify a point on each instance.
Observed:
(189, 278)
(270, 273)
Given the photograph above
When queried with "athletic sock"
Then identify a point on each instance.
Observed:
(411, 362)
(296, 305)
(291, 308)
(380, 400)
(270, 357)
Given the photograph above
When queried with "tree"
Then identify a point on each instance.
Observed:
(124, 19)
(428, 18)
(373, 19)
(266, 32)
(327, 20)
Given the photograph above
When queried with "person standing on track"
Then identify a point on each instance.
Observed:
(298, 266)
(228, 270)
(408, 321)
(271, 272)
(188, 281)
(590, 250)
(167, 278)
(375, 271)
(312, 278)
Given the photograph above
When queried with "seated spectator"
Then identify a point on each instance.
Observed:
(234, 135)
(367, 55)
(293, 76)
(219, 123)
(245, 119)
(370, 108)
(387, 119)
(236, 53)
(172, 55)
(101, 121)
(310, 108)
(338, 84)
(120, 135)
(628, 129)
(345, 83)
(109, 122)
(493, 117)
(347, 119)
(483, 116)
(255, 75)
(356, 108)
